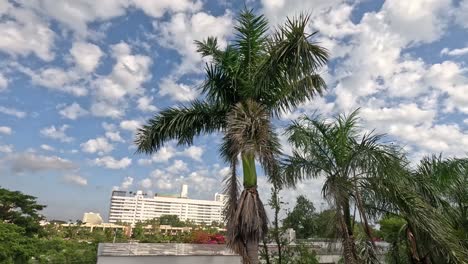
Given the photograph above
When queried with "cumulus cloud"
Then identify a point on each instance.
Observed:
(179, 32)
(146, 183)
(126, 79)
(3, 82)
(6, 148)
(31, 162)
(24, 33)
(144, 104)
(127, 182)
(99, 145)
(5, 130)
(58, 133)
(47, 147)
(75, 179)
(454, 52)
(12, 112)
(112, 133)
(177, 91)
(73, 111)
(86, 55)
(57, 79)
(112, 163)
(194, 152)
(130, 125)
(178, 167)
(166, 153)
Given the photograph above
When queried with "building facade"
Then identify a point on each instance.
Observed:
(129, 207)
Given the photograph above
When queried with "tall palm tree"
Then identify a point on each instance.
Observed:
(251, 81)
(374, 177)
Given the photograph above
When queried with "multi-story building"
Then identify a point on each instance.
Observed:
(129, 207)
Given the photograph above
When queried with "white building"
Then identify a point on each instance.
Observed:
(131, 207)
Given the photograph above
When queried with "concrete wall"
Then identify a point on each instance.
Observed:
(169, 259)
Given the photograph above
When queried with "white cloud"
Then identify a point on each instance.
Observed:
(6, 148)
(31, 162)
(12, 112)
(128, 74)
(177, 91)
(179, 32)
(3, 82)
(130, 125)
(194, 152)
(57, 79)
(86, 55)
(73, 111)
(114, 136)
(125, 80)
(146, 183)
(423, 20)
(126, 183)
(112, 163)
(47, 147)
(144, 104)
(107, 109)
(99, 145)
(164, 154)
(57, 133)
(177, 167)
(5, 130)
(460, 14)
(112, 133)
(159, 8)
(75, 179)
(77, 14)
(24, 33)
(454, 52)
(450, 78)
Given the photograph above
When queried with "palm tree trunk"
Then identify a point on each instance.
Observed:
(364, 218)
(252, 252)
(250, 182)
(344, 218)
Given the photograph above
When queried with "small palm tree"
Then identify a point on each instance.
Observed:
(375, 177)
(248, 83)
(337, 151)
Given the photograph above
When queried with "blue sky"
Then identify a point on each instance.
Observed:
(78, 77)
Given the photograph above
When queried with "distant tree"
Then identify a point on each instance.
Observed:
(325, 224)
(302, 218)
(20, 209)
(392, 230)
(172, 220)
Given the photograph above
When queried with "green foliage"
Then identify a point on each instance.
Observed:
(302, 218)
(20, 209)
(172, 220)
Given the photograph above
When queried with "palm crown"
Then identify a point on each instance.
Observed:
(246, 84)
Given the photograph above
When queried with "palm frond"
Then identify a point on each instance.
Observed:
(289, 74)
(181, 124)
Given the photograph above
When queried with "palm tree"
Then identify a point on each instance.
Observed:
(443, 184)
(337, 151)
(373, 176)
(251, 81)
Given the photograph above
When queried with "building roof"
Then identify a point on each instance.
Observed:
(162, 249)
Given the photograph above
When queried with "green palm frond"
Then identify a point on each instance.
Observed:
(181, 124)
